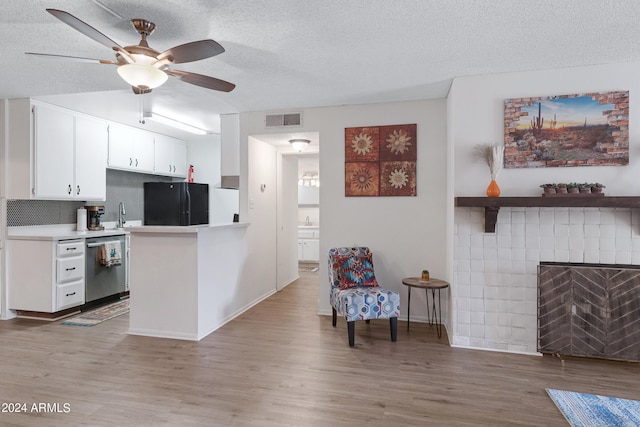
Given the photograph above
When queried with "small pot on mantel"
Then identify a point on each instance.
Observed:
(548, 188)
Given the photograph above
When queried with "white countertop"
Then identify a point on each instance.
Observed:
(57, 232)
(186, 229)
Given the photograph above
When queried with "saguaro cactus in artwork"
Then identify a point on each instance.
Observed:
(538, 122)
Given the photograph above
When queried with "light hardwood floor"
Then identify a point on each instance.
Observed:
(280, 364)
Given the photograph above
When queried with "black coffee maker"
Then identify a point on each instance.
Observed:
(94, 217)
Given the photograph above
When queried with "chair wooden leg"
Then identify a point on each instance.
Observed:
(334, 314)
(393, 322)
(351, 328)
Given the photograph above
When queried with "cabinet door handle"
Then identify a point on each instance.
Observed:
(130, 161)
(169, 168)
(174, 168)
(69, 189)
(72, 249)
(78, 190)
(136, 162)
(70, 269)
(71, 294)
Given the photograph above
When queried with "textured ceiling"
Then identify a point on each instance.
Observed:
(286, 54)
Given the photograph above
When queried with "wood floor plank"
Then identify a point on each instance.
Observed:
(280, 364)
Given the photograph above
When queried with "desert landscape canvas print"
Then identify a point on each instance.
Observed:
(567, 130)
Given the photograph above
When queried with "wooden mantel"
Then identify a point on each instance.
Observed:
(492, 205)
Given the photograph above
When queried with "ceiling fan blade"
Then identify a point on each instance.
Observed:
(71, 58)
(83, 27)
(203, 81)
(193, 51)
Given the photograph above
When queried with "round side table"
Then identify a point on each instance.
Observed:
(433, 284)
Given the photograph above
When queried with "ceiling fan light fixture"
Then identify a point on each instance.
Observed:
(142, 76)
(174, 123)
(299, 144)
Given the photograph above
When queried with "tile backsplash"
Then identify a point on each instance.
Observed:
(122, 186)
(41, 212)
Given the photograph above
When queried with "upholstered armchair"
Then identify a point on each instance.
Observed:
(355, 293)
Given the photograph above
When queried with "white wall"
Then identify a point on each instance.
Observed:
(478, 113)
(494, 292)
(261, 234)
(406, 234)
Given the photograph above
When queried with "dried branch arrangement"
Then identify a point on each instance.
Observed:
(493, 155)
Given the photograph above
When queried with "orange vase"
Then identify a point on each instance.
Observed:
(493, 190)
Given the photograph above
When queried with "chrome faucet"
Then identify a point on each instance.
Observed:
(121, 214)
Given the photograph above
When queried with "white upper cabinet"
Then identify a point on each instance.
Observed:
(53, 153)
(69, 156)
(58, 154)
(180, 159)
(130, 149)
(170, 156)
(92, 140)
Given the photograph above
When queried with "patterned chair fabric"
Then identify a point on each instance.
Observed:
(360, 302)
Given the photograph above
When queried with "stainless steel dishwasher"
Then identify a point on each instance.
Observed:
(101, 281)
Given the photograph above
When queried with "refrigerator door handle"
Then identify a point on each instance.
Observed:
(188, 213)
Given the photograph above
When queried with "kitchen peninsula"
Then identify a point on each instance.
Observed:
(184, 279)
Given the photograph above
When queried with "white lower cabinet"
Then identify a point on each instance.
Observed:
(46, 276)
(70, 295)
(308, 250)
(68, 269)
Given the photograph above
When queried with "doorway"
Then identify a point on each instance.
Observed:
(308, 186)
(290, 223)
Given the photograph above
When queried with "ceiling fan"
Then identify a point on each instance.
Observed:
(139, 65)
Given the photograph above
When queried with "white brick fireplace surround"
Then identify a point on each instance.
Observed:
(494, 292)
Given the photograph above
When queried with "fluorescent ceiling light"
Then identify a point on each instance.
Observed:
(174, 123)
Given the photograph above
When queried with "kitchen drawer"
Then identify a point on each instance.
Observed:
(68, 269)
(70, 295)
(70, 248)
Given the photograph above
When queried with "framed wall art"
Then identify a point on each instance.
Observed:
(590, 129)
(380, 160)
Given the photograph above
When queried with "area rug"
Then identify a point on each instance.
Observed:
(99, 315)
(313, 267)
(591, 410)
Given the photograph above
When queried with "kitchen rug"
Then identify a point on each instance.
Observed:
(591, 410)
(99, 315)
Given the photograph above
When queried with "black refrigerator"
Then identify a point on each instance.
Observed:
(176, 203)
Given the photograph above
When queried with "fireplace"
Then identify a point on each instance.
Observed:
(590, 310)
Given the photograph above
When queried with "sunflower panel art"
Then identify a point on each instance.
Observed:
(380, 160)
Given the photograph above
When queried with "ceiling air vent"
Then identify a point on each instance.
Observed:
(281, 120)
